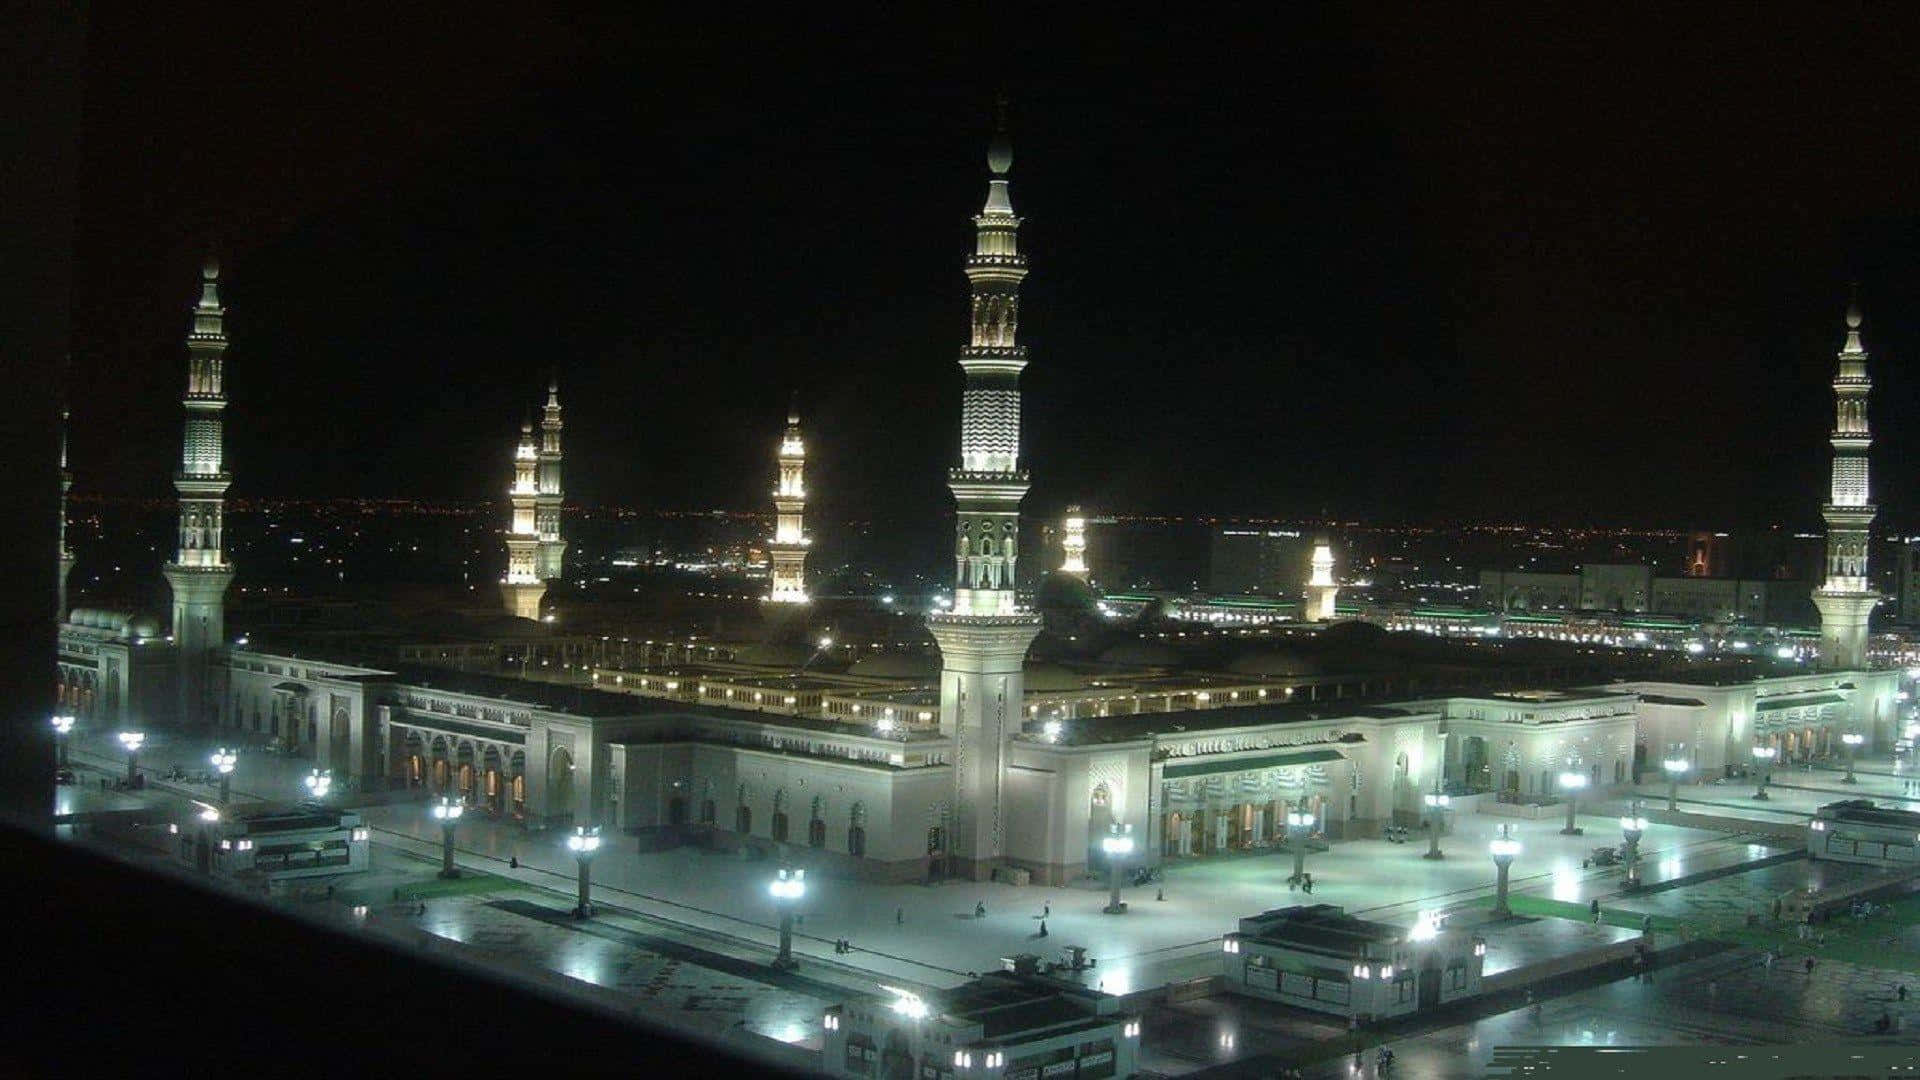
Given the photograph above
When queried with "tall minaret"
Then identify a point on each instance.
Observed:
(522, 587)
(66, 485)
(546, 503)
(1073, 543)
(789, 547)
(983, 641)
(200, 573)
(1321, 590)
(1845, 601)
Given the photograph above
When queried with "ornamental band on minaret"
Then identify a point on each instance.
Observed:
(200, 574)
(522, 587)
(983, 641)
(789, 547)
(1844, 600)
(550, 555)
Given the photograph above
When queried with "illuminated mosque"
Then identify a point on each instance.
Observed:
(981, 762)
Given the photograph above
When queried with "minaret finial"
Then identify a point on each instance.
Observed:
(1853, 306)
(1000, 150)
(553, 389)
(793, 408)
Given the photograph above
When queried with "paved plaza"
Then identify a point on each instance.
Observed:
(685, 935)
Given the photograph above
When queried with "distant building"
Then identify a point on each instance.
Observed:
(1909, 611)
(1270, 561)
(1615, 587)
(1706, 555)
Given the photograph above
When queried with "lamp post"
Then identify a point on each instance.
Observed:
(787, 889)
(446, 812)
(223, 761)
(1118, 844)
(1631, 827)
(1571, 782)
(1852, 739)
(1503, 849)
(1437, 803)
(1299, 822)
(583, 843)
(1763, 760)
(62, 727)
(1676, 767)
(319, 782)
(132, 740)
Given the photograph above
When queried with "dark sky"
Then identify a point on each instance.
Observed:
(1421, 265)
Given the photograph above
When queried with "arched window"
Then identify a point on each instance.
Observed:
(1619, 771)
(816, 833)
(743, 821)
(708, 812)
(676, 811)
(857, 842)
(780, 826)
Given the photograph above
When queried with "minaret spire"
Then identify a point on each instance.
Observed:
(789, 547)
(66, 485)
(522, 588)
(1844, 600)
(983, 640)
(200, 573)
(552, 552)
(1321, 590)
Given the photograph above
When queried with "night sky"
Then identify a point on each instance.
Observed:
(1395, 266)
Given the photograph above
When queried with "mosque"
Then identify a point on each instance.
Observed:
(980, 763)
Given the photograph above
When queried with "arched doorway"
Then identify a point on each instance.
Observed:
(708, 812)
(677, 810)
(743, 821)
(517, 783)
(560, 805)
(466, 775)
(1099, 816)
(441, 770)
(816, 833)
(1476, 768)
(492, 781)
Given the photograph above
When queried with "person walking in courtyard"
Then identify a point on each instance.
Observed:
(1043, 928)
(899, 916)
(513, 862)
(1901, 993)
(1809, 965)
(980, 910)
(1595, 908)
(1046, 908)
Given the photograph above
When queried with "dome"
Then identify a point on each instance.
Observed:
(1274, 662)
(894, 664)
(1050, 679)
(143, 626)
(1142, 654)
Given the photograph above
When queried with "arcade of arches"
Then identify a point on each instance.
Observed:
(1222, 814)
(490, 777)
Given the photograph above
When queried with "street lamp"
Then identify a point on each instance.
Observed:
(1118, 844)
(1631, 827)
(1437, 804)
(132, 740)
(583, 843)
(1571, 782)
(787, 889)
(319, 782)
(223, 761)
(1676, 767)
(446, 812)
(1852, 739)
(1503, 849)
(1299, 822)
(1763, 760)
(62, 726)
